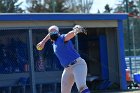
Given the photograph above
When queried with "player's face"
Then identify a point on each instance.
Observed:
(53, 34)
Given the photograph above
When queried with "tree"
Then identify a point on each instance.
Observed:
(107, 9)
(132, 8)
(75, 6)
(120, 8)
(57, 6)
(134, 22)
(47, 6)
(36, 7)
(10, 6)
(138, 6)
(133, 11)
(80, 6)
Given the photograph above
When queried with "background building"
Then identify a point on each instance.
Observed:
(22, 65)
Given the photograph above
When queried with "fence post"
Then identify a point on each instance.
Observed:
(31, 60)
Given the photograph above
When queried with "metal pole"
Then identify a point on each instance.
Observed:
(76, 43)
(31, 60)
(53, 5)
(129, 40)
(134, 47)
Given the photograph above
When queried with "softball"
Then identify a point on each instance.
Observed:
(39, 48)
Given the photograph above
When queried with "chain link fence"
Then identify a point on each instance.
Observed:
(15, 65)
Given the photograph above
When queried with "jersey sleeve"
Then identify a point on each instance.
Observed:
(63, 37)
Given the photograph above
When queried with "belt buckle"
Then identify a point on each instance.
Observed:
(72, 63)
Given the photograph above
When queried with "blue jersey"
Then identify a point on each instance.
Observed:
(64, 51)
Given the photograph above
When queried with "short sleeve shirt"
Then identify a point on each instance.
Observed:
(64, 51)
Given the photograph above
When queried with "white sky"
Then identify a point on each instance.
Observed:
(97, 4)
(100, 4)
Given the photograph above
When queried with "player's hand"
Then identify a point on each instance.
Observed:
(40, 45)
(79, 29)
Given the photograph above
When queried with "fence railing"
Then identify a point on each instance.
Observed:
(135, 64)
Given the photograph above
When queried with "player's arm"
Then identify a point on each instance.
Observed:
(76, 29)
(69, 35)
(46, 38)
(41, 44)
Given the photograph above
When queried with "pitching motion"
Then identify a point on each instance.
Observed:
(77, 29)
(75, 67)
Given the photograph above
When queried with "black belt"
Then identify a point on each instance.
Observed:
(72, 63)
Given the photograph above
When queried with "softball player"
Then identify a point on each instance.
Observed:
(75, 68)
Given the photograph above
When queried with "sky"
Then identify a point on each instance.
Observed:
(97, 4)
(100, 4)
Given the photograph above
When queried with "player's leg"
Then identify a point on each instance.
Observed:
(67, 80)
(80, 74)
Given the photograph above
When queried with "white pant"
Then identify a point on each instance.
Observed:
(76, 73)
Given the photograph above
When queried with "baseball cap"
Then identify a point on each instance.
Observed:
(53, 27)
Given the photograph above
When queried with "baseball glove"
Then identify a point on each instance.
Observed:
(79, 29)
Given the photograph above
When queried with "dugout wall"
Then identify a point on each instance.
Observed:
(22, 65)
